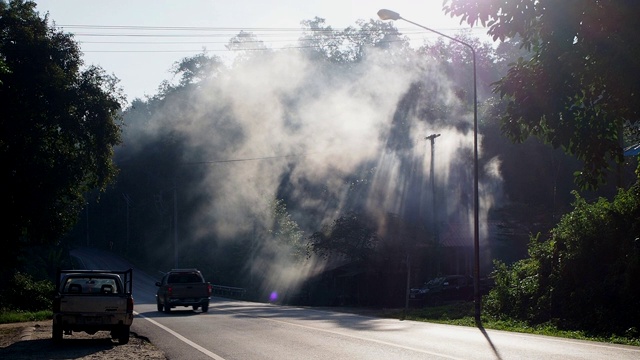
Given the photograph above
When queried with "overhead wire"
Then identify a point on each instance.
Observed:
(86, 32)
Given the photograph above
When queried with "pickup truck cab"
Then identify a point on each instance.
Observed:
(183, 287)
(92, 301)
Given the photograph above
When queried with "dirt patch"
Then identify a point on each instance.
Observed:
(32, 340)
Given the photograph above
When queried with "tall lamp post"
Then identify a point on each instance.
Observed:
(385, 14)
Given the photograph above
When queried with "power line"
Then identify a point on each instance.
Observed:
(245, 159)
(264, 35)
(189, 28)
(152, 31)
(170, 42)
(231, 29)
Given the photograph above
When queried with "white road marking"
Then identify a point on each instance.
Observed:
(180, 337)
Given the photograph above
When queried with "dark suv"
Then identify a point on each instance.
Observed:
(444, 288)
(183, 287)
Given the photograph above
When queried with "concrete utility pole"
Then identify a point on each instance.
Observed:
(434, 217)
(432, 138)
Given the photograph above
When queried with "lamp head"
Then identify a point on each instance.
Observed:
(385, 14)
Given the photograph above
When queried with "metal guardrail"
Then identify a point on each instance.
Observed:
(228, 291)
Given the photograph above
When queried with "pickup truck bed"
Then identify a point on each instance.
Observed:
(92, 301)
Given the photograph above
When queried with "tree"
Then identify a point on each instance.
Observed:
(286, 231)
(580, 87)
(58, 126)
(349, 236)
(348, 46)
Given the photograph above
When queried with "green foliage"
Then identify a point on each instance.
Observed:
(57, 128)
(515, 291)
(245, 41)
(349, 236)
(191, 71)
(348, 46)
(25, 294)
(286, 231)
(42, 262)
(580, 86)
(584, 276)
(7, 317)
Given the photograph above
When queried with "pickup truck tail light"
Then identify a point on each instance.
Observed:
(130, 304)
(169, 291)
(210, 288)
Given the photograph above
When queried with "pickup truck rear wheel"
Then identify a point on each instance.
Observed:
(159, 305)
(167, 307)
(56, 333)
(123, 335)
(205, 307)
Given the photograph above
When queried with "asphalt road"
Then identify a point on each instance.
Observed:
(234, 330)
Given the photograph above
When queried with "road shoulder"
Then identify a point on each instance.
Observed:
(30, 340)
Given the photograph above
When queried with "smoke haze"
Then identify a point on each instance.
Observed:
(282, 116)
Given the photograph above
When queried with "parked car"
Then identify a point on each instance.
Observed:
(443, 288)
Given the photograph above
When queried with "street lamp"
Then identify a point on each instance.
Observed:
(385, 14)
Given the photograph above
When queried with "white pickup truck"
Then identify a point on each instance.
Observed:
(92, 301)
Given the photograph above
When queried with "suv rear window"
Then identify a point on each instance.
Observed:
(184, 278)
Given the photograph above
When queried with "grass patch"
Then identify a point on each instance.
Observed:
(7, 317)
(462, 314)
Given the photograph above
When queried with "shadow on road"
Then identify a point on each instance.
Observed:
(486, 336)
(67, 349)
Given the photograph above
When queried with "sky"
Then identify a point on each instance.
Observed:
(138, 41)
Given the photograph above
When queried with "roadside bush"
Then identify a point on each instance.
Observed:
(23, 293)
(583, 276)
